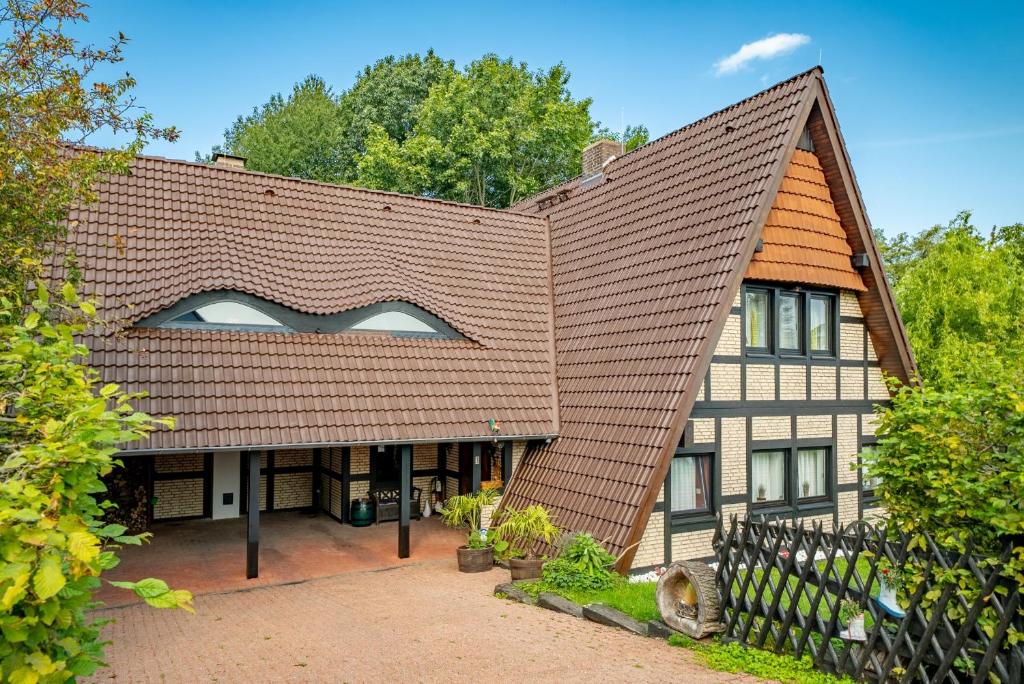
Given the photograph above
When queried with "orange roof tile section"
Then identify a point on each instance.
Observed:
(642, 263)
(804, 242)
(172, 229)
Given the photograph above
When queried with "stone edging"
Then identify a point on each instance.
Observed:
(595, 612)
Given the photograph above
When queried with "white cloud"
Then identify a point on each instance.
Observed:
(766, 48)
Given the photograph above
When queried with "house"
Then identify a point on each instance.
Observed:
(699, 326)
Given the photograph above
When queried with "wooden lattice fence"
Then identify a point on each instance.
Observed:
(782, 585)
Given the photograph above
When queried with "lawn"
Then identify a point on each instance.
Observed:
(635, 599)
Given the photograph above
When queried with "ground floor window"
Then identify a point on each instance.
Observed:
(784, 476)
(869, 482)
(690, 484)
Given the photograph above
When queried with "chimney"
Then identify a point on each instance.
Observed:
(599, 153)
(228, 160)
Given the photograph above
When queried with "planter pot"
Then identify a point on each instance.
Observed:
(855, 632)
(525, 568)
(475, 560)
(887, 601)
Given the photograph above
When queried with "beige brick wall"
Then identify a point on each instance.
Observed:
(847, 449)
(652, 545)
(771, 427)
(792, 382)
(876, 385)
(725, 382)
(823, 383)
(178, 463)
(703, 430)
(729, 341)
(691, 545)
(851, 383)
(518, 449)
(848, 305)
(868, 424)
(293, 490)
(359, 459)
(178, 498)
(760, 382)
(848, 507)
(335, 490)
(287, 458)
(815, 426)
(734, 456)
(424, 456)
(851, 341)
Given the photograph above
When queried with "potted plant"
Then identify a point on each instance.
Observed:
(761, 492)
(465, 511)
(516, 535)
(891, 580)
(852, 616)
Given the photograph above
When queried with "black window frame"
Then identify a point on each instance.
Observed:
(833, 330)
(801, 314)
(710, 494)
(769, 319)
(805, 295)
(793, 501)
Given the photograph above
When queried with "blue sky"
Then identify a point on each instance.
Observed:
(930, 96)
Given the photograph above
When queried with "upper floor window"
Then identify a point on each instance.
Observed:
(228, 313)
(232, 310)
(789, 321)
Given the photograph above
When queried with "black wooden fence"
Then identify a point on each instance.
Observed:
(782, 586)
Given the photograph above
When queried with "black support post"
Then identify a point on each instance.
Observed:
(252, 550)
(506, 463)
(404, 496)
(477, 458)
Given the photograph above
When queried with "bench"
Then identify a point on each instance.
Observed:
(387, 501)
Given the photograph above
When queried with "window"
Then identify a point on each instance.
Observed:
(387, 466)
(757, 306)
(394, 321)
(690, 485)
(789, 321)
(790, 313)
(228, 313)
(869, 482)
(768, 476)
(812, 473)
(821, 324)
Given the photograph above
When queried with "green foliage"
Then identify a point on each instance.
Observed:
(516, 532)
(493, 134)
(631, 138)
(48, 98)
(465, 511)
(299, 136)
(952, 465)
(959, 295)
(59, 431)
(583, 565)
(733, 657)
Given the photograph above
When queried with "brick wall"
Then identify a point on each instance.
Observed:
(178, 498)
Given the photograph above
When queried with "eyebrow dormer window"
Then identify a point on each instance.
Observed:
(232, 310)
(230, 314)
(394, 321)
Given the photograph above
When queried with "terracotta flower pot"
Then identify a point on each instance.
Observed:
(525, 568)
(475, 560)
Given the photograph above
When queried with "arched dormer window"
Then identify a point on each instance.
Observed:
(230, 310)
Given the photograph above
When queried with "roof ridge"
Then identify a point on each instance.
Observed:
(307, 181)
(819, 69)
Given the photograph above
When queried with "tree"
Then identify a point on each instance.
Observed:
(300, 136)
(493, 134)
(58, 428)
(49, 103)
(959, 296)
(631, 138)
(389, 94)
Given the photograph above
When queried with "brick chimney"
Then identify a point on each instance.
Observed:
(599, 153)
(228, 160)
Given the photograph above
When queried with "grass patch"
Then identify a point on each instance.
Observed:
(733, 657)
(635, 599)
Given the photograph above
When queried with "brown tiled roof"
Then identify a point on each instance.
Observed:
(804, 240)
(172, 229)
(646, 264)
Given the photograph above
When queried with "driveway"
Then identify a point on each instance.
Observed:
(422, 622)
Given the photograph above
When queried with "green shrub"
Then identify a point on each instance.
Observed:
(583, 565)
(733, 657)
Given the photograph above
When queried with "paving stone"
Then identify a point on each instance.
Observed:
(606, 615)
(559, 603)
(513, 592)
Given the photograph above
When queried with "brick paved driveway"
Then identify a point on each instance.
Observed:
(422, 622)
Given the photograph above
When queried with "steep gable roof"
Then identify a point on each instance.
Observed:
(646, 263)
(172, 229)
